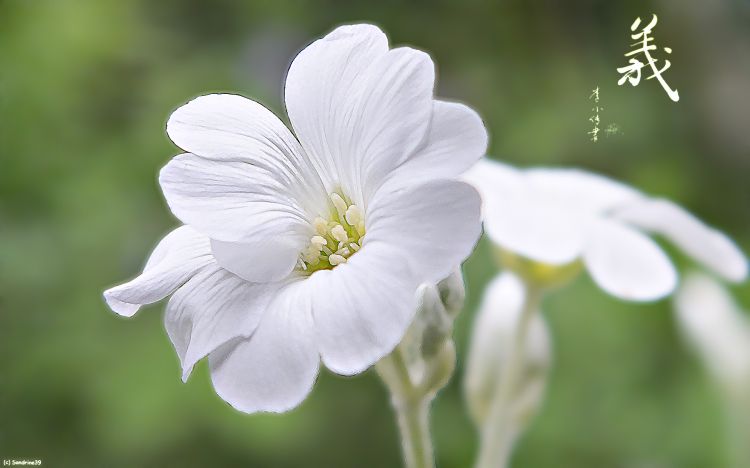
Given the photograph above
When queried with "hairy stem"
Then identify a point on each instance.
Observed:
(412, 406)
(414, 427)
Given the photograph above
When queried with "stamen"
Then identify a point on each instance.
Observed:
(340, 204)
(318, 242)
(311, 255)
(353, 215)
(339, 233)
(336, 259)
(321, 226)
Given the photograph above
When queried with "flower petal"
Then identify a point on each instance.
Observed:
(708, 246)
(456, 140)
(177, 257)
(520, 219)
(323, 76)
(627, 264)
(539, 232)
(261, 261)
(578, 190)
(275, 368)
(358, 109)
(229, 201)
(434, 226)
(362, 308)
(226, 127)
(211, 309)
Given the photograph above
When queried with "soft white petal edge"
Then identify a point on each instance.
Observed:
(233, 128)
(177, 257)
(708, 246)
(274, 369)
(456, 140)
(227, 127)
(627, 264)
(435, 225)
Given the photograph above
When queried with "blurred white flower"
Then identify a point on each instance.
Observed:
(308, 247)
(559, 216)
(716, 327)
(494, 333)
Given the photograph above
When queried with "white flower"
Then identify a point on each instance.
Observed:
(297, 249)
(559, 216)
(490, 351)
(716, 327)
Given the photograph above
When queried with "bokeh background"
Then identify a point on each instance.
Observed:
(85, 90)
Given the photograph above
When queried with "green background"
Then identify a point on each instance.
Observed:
(85, 90)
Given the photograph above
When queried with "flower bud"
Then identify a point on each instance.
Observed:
(453, 293)
(490, 352)
(427, 348)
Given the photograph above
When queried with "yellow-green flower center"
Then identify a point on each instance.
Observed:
(543, 275)
(337, 237)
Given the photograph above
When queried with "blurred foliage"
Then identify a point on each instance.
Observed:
(85, 89)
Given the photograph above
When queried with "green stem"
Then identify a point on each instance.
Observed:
(499, 432)
(412, 407)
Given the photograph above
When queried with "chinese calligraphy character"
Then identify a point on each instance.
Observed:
(632, 72)
(595, 118)
(612, 129)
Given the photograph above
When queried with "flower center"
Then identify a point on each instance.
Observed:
(336, 238)
(538, 273)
